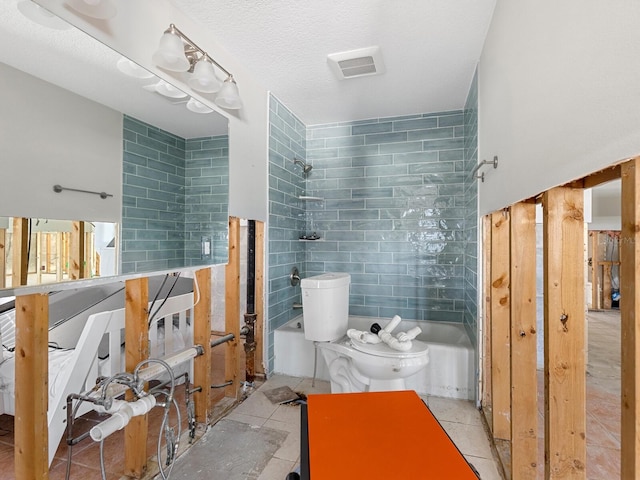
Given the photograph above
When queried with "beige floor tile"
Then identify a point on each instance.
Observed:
(452, 410)
(248, 419)
(257, 405)
(287, 414)
(277, 469)
(470, 439)
(485, 467)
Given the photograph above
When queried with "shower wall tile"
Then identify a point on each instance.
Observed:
(406, 191)
(175, 192)
(287, 213)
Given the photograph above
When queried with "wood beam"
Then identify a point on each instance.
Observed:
(232, 309)
(31, 452)
(259, 299)
(136, 349)
(630, 318)
(500, 330)
(202, 336)
(564, 334)
(3, 257)
(487, 403)
(76, 251)
(20, 247)
(522, 276)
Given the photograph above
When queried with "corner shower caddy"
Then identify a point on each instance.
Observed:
(309, 198)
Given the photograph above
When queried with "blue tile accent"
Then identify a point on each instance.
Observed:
(397, 214)
(162, 171)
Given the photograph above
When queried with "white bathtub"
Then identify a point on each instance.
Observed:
(450, 372)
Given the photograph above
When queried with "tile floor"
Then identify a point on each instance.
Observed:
(459, 418)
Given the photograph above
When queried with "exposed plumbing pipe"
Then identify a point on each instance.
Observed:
(121, 413)
(219, 341)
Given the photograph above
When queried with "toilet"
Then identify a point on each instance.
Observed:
(353, 366)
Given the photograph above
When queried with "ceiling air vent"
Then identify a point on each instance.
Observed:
(357, 63)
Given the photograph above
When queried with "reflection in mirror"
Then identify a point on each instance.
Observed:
(171, 162)
(40, 250)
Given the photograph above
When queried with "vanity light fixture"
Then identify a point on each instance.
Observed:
(165, 89)
(100, 9)
(177, 53)
(41, 16)
(131, 68)
(198, 107)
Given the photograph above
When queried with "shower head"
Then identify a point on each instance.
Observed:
(306, 168)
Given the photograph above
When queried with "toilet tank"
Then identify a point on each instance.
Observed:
(325, 306)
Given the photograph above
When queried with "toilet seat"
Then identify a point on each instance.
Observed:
(417, 349)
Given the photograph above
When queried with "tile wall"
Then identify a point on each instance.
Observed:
(393, 213)
(174, 192)
(471, 230)
(286, 216)
(207, 200)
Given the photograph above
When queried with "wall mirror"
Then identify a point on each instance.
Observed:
(166, 165)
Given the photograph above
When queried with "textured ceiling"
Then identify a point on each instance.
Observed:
(430, 49)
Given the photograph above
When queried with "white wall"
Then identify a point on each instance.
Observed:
(559, 95)
(51, 136)
(135, 33)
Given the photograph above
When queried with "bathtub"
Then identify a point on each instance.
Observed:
(450, 372)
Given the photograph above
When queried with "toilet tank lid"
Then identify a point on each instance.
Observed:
(326, 280)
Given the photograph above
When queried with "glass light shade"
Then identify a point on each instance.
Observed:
(41, 16)
(100, 9)
(168, 90)
(170, 54)
(228, 97)
(204, 79)
(198, 107)
(132, 69)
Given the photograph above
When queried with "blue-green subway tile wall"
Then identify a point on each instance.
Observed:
(286, 216)
(471, 212)
(174, 193)
(393, 214)
(206, 195)
(153, 198)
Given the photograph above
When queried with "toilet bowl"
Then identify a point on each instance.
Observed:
(358, 367)
(353, 366)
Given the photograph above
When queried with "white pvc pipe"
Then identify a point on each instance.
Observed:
(393, 342)
(121, 417)
(409, 334)
(392, 324)
(363, 337)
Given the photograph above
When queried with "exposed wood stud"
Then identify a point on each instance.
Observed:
(31, 452)
(487, 403)
(3, 258)
(630, 318)
(232, 308)
(20, 256)
(524, 412)
(76, 251)
(202, 336)
(136, 350)
(564, 334)
(259, 298)
(500, 331)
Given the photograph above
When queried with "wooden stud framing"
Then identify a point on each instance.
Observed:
(500, 331)
(202, 336)
(564, 334)
(20, 246)
(259, 299)
(232, 308)
(76, 251)
(31, 451)
(487, 403)
(630, 318)
(3, 258)
(136, 350)
(522, 276)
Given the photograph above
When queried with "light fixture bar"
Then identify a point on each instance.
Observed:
(176, 31)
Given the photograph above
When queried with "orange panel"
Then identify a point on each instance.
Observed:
(379, 435)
